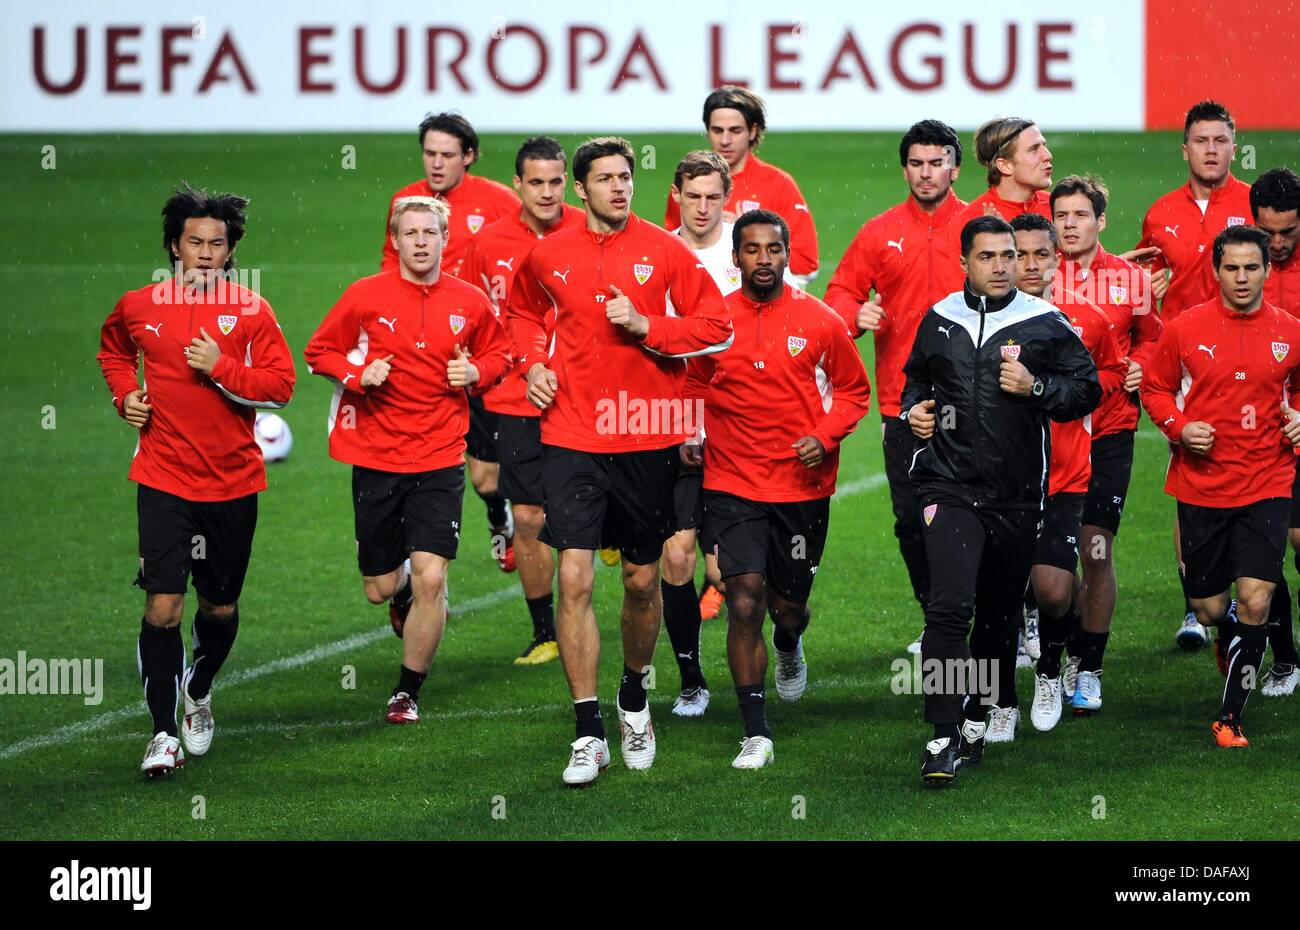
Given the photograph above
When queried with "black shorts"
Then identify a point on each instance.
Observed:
(1222, 544)
(1058, 538)
(783, 542)
(397, 514)
(598, 499)
(519, 443)
(481, 440)
(688, 498)
(1112, 466)
(210, 540)
(1295, 498)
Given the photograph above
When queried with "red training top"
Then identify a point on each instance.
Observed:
(475, 202)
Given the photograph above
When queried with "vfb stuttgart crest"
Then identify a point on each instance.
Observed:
(475, 222)
(1078, 331)
(1118, 293)
(226, 322)
(795, 344)
(929, 513)
(457, 323)
(1236, 221)
(733, 277)
(747, 205)
(1280, 350)
(642, 272)
(1011, 352)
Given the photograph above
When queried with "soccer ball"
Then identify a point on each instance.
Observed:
(273, 436)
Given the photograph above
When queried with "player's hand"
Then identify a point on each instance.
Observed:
(1198, 437)
(1142, 256)
(1160, 284)
(1133, 377)
(810, 450)
(1291, 424)
(870, 315)
(921, 419)
(620, 312)
(692, 454)
(376, 372)
(542, 385)
(1014, 378)
(461, 372)
(202, 353)
(136, 409)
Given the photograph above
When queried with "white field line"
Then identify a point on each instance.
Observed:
(355, 641)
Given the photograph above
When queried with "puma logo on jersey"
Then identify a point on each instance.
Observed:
(510, 265)
(897, 245)
(347, 377)
(389, 323)
(946, 330)
(801, 206)
(155, 328)
(563, 277)
(1173, 230)
(1208, 350)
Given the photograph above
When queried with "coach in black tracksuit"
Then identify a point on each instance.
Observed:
(989, 367)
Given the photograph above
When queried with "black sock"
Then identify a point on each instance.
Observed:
(1187, 600)
(682, 618)
(631, 692)
(212, 639)
(1092, 646)
(162, 661)
(496, 510)
(951, 731)
(542, 610)
(1226, 629)
(1244, 658)
(1053, 633)
(1281, 636)
(588, 716)
(973, 709)
(753, 710)
(409, 680)
(786, 641)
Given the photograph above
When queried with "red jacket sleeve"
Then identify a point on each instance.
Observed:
(265, 378)
(852, 282)
(672, 213)
(1110, 364)
(703, 324)
(851, 390)
(526, 317)
(1161, 381)
(388, 257)
(1146, 327)
(489, 349)
(329, 351)
(803, 234)
(119, 357)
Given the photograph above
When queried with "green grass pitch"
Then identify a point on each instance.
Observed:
(298, 755)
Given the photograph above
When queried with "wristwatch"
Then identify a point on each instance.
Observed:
(1037, 389)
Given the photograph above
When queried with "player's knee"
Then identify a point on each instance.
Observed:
(576, 580)
(1253, 608)
(679, 564)
(745, 601)
(428, 580)
(219, 612)
(164, 610)
(528, 521)
(641, 582)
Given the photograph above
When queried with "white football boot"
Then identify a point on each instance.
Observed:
(1046, 710)
(791, 673)
(1279, 682)
(197, 727)
(589, 757)
(1191, 635)
(1032, 644)
(755, 752)
(1069, 677)
(162, 756)
(1003, 722)
(692, 702)
(1087, 693)
(637, 737)
(914, 647)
